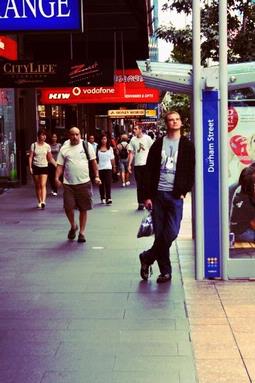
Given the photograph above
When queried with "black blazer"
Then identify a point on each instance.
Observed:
(185, 168)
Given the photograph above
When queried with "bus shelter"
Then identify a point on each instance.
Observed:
(220, 253)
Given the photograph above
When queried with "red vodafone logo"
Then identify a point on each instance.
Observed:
(232, 119)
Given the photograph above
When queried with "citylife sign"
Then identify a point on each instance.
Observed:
(15, 74)
(37, 15)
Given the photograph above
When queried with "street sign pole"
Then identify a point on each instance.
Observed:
(223, 76)
(198, 133)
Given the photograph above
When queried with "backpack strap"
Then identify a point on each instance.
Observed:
(86, 148)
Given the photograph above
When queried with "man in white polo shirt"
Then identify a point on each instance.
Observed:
(72, 162)
(138, 149)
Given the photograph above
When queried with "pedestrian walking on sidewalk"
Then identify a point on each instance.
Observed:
(55, 148)
(72, 162)
(169, 177)
(138, 150)
(91, 139)
(40, 155)
(122, 150)
(106, 166)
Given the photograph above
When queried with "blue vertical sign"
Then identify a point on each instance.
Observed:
(211, 190)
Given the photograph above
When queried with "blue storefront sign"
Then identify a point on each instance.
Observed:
(211, 184)
(37, 15)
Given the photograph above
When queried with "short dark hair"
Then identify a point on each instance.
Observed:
(246, 180)
(41, 131)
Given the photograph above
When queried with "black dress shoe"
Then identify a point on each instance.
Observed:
(146, 270)
(162, 278)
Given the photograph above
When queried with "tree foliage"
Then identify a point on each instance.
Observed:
(241, 41)
(241, 26)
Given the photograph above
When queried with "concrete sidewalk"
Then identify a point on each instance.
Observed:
(79, 313)
(222, 319)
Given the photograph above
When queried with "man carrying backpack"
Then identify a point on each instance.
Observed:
(122, 151)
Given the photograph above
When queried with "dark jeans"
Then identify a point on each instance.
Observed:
(106, 185)
(139, 177)
(52, 171)
(167, 216)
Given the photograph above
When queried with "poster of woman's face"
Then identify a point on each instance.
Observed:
(241, 172)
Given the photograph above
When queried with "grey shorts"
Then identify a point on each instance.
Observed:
(123, 165)
(78, 196)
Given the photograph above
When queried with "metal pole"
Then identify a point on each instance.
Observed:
(223, 61)
(198, 133)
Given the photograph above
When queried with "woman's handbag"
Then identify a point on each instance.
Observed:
(146, 227)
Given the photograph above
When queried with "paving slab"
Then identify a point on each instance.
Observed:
(78, 313)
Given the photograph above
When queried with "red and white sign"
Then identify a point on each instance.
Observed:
(241, 141)
(8, 48)
(128, 88)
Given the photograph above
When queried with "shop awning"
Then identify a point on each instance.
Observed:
(178, 77)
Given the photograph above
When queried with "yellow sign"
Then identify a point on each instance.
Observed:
(126, 113)
(151, 113)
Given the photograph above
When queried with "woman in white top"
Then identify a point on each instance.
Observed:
(106, 165)
(40, 155)
(55, 148)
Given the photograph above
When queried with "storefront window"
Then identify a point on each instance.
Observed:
(8, 165)
(241, 179)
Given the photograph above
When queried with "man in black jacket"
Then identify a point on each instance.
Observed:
(170, 171)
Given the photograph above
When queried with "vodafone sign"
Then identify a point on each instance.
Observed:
(128, 87)
(94, 95)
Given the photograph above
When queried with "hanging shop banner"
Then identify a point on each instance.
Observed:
(15, 74)
(40, 15)
(211, 189)
(241, 175)
(97, 95)
(8, 48)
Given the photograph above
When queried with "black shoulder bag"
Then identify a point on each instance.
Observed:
(91, 170)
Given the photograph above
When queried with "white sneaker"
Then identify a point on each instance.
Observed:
(39, 205)
(127, 183)
(103, 201)
(123, 185)
(54, 193)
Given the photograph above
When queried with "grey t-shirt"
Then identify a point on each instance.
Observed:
(169, 155)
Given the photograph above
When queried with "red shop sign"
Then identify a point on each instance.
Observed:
(104, 95)
(8, 48)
